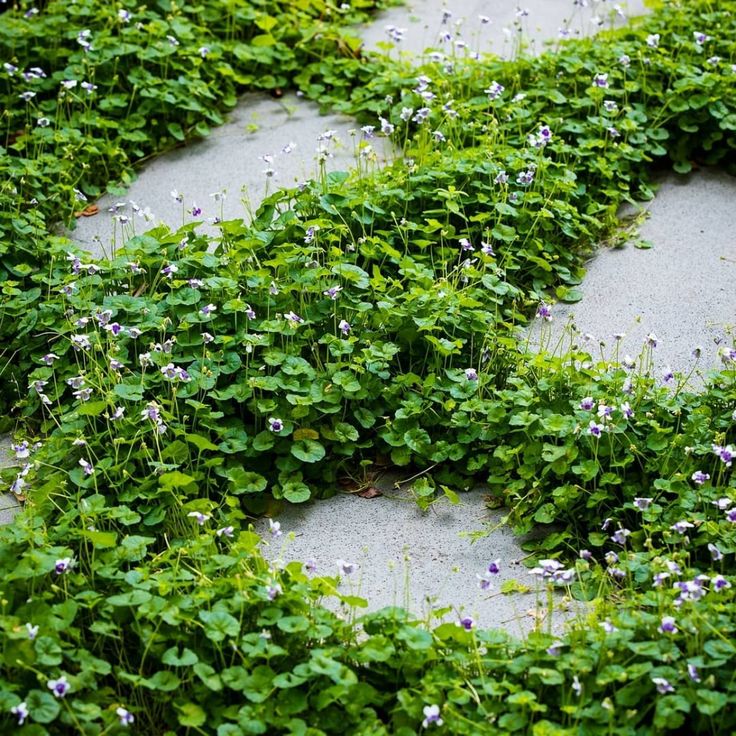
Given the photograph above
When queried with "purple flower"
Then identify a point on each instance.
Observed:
(275, 528)
(275, 424)
(720, 583)
(471, 374)
(273, 591)
(619, 536)
(484, 582)
(663, 686)
(344, 327)
(668, 625)
(525, 177)
(310, 566)
(226, 531)
(32, 631)
(626, 410)
(700, 38)
(346, 568)
(250, 312)
(495, 567)
(544, 311)
(293, 319)
(21, 712)
(667, 375)
(682, 526)
(699, 477)
(608, 627)
(616, 572)
(332, 292)
(601, 81)
(653, 40)
(169, 270)
(726, 454)
(208, 309)
(59, 687)
(494, 91)
(692, 672)
(467, 623)
(125, 716)
(501, 178)
(207, 338)
(651, 340)
(587, 403)
(432, 716)
(643, 503)
(594, 428)
(199, 517)
(715, 554)
(86, 466)
(196, 211)
(585, 554)
(611, 557)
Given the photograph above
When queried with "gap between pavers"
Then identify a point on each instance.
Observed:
(539, 25)
(681, 288)
(418, 560)
(9, 505)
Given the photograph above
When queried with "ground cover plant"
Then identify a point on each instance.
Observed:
(165, 397)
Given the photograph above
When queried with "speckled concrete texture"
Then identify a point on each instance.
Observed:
(419, 560)
(246, 158)
(500, 27)
(9, 507)
(682, 289)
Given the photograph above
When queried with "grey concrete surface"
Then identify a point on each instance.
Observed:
(231, 160)
(421, 561)
(9, 506)
(681, 289)
(510, 25)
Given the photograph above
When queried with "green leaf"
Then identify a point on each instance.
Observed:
(42, 707)
(165, 681)
(176, 131)
(219, 624)
(246, 481)
(709, 702)
(185, 659)
(296, 492)
(308, 451)
(191, 715)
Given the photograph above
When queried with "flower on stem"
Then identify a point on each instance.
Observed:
(86, 466)
(20, 711)
(199, 517)
(595, 429)
(715, 554)
(125, 717)
(544, 311)
(653, 40)
(467, 623)
(293, 319)
(275, 424)
(725, 454)
(346, 568)
(699, 477)
(668, 625)
(32, 631)
(720, 583)
(663, 686)
(344, 327)
(643, 503)
(332, 292)
(431, 716)
(620, 535)
(273, 591)
(226, 531)
(275, 528)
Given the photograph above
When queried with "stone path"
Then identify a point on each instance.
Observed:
(266, 144)
(498, 27)
(676, 287)
(8, 502)
(419, 560)
(681, 288)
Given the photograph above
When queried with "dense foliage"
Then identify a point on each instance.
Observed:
(191, 382)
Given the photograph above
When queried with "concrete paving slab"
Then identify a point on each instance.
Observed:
(421, 561)
(266, 144)
(500, 27)
(681, 289)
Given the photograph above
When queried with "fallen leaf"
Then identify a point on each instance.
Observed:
(89, 211)
(370, 492)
